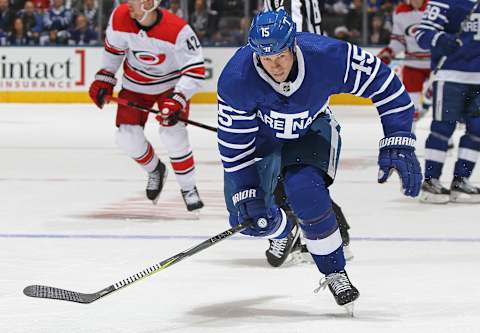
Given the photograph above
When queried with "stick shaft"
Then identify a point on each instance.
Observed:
(41, 291)
(125, 102)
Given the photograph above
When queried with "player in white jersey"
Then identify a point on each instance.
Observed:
(416, 66)
(162, 64)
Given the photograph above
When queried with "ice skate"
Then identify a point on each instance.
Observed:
(279, 249)
(462, 191)
(192, 199)
(341, 288)
(434, 192)
(156, 180)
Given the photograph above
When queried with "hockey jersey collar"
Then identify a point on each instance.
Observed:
(284, 88)
(144, 28)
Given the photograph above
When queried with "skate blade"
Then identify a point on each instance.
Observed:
(438, 199)
(349, 308)
(456, 197)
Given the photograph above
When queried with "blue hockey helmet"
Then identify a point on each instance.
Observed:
(271, 32)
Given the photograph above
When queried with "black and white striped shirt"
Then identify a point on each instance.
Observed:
(305, 13)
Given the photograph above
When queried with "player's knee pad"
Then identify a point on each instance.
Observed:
(310, 200)
(131, 139)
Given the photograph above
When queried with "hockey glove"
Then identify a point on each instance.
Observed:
(251, 207)
(171, 109)
(386, 55)
(447, 44)
(102, 87)
(397, 152)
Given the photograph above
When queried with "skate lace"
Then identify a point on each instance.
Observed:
(278, 246)
(191, 196)
(153, 180)
(338, 281)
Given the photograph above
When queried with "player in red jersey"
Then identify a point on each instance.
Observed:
(416, 66)
(162, 64)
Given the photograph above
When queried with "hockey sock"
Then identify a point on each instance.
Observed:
(184, 168)
(436, 147)
(468, 149)
(131, 139)
(310, 200)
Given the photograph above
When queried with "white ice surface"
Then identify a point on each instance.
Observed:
(64, 183)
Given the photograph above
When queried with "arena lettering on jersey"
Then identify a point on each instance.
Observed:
(285, 124)
(473, 25)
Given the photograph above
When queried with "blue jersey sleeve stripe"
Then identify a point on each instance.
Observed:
(370, 79)
(235, 145)
(433, 24)
(391, 97)
(238, 130)
(397, 110)
(251, 117)
(419, 34)
(238, 157)
(228, 108)
(435, 38)
(439, 4)
(384, 86)
(443, 17)
(240, 166)
(423, 26)
(349, 53)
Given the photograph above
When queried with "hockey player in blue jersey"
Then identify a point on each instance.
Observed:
(292, 249)
(451, 29)
(274, 119)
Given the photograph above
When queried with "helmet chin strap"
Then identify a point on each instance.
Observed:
(156, 3)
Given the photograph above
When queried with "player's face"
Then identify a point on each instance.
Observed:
(135, 7)
(417, 4)
(278, 65)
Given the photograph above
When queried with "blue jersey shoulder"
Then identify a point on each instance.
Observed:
(238, 80)
(325, 61)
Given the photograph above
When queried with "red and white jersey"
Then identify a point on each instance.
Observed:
(405, 22)
(155, 59)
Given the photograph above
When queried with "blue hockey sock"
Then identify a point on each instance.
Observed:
(436, 147)
(310, 200)
(468, 149)
(330, 263)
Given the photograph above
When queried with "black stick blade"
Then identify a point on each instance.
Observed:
(60, 294)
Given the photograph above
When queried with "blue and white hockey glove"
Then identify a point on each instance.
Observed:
(397, 152)
(266, 222)
(446, 43)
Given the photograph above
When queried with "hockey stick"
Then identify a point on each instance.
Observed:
(125, 102)
(41, 291)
